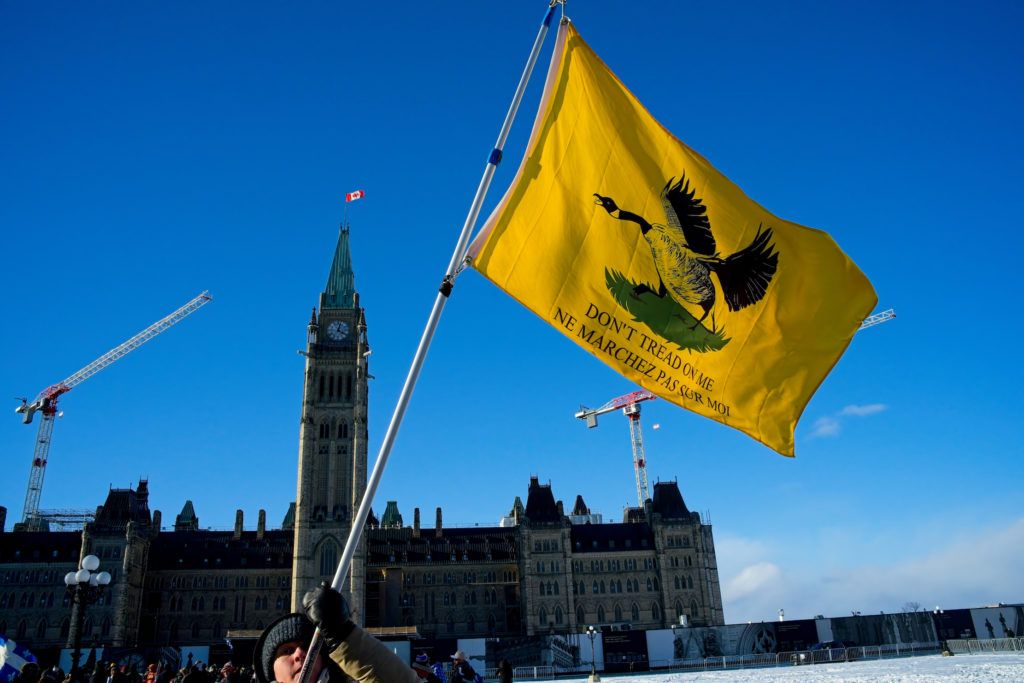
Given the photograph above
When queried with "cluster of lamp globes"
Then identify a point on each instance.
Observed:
(87, 575)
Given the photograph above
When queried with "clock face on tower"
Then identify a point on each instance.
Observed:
(337, 330)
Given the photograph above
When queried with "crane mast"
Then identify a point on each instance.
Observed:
(46, 402)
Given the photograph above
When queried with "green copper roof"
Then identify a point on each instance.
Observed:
(341, 281)
(392, 517)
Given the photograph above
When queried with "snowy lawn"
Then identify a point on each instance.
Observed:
(928, 669)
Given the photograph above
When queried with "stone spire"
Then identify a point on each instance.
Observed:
(341, 281)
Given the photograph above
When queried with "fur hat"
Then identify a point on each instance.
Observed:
(291, 628)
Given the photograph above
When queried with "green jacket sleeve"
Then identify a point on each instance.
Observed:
(365, 659)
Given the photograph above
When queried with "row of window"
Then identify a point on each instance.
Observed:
(218, 603)
(678, 541)
(335, 386)
(685, 561)
(43, 576)
(328, 431)
(546, 546)
(42, 626)
(554, 567)
(451, 578)
(615, 586)
(602, 616)
(617, 565)
(198, 582)
(682, 582)
(46, 600)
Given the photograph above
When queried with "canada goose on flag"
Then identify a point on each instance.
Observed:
(637, 249)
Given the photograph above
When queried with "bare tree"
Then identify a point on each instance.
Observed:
(911, 606)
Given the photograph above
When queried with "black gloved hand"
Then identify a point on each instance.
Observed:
(328, 610)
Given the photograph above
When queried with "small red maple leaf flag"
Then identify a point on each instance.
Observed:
(352, 196)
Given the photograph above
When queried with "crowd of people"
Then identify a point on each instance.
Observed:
(347, 653)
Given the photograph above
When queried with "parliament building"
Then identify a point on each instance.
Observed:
(542, 570)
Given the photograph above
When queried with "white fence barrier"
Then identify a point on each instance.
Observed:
(802, 658)
(973, 645)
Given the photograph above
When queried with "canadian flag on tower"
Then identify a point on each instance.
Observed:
(352, 196)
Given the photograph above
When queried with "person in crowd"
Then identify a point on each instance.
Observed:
(504, 671)
(98, 674)
(346, 649)
(462, 672)
(29, 673)
(422, 668)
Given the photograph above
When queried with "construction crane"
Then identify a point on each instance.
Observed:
(630, 406)
(46, 401)
(877, 319)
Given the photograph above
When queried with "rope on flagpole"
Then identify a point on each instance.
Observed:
(444, 291)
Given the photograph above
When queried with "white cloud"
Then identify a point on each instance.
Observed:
(825, 426)
(831, 425)
(969, 571)
(864, 410)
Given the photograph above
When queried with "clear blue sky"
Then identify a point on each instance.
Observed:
(149, 151)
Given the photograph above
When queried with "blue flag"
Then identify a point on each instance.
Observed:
(12, 658)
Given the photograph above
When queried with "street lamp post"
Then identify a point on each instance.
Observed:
(594, 678)
(84, 587)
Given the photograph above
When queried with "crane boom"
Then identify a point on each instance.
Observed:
(46, 401)
(877, 319)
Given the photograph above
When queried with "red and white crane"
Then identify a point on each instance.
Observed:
(630, 405)
(46, 401)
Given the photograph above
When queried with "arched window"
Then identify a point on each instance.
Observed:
(595, 587)
(600, 614)
(330, 386)
(543, 617)
(22, 629)
(618, 613)
(449, 624)
(65, 628)
(195, 604)
(41, 629)
(559, 618)
(618, 586)
(492, 623)
(541, 588)
(676, 582)
(328, 557)
(650, 584)
(105, 626)
(87, 627)
(583, 588)
(679, 609)
(581, 616)
(470, 624)
(325, 430)
(602, 585)
(693, 608)
(689, 582)
(656, 586)
(342, 429)
(556, 587)
(634, 612)
(655, 611)
(321, 392)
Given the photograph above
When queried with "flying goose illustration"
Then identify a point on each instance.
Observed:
(685, 254)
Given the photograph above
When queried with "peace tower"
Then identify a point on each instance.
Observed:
(332, 436)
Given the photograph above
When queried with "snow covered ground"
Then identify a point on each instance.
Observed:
(929, 669)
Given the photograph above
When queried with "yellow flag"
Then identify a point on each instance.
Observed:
(636, 248)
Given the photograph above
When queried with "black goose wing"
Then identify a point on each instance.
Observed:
(745, 275)
(686, 212)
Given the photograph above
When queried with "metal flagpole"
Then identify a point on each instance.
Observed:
(447, 284)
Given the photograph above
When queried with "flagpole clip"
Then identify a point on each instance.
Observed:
(447, 284)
